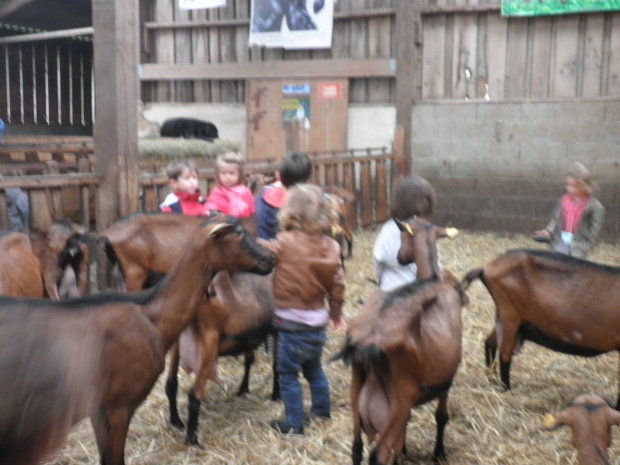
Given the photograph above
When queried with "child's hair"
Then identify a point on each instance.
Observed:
(175, 168)
(230, 158)
(413, 196)
(582, 175)
(305, 209)
(295, 168)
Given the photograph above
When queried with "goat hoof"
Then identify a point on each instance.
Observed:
(177, 423)
(192, 440)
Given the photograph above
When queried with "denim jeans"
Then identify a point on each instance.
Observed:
(300, 351)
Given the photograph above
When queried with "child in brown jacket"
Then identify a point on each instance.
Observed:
(308, 272)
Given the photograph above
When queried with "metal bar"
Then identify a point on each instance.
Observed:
(70, 57)
(92, 92)
(82, 103)
(7, 84)
(81, 31)
(21, 83)
(59, 99)
(47, 85)
(35, 113)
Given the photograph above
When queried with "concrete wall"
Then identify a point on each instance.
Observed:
(500, 166)
(369, 125)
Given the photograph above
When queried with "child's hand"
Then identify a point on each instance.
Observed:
(339, 325)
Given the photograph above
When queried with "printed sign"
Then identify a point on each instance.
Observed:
(195, 4)
(330, 90)
(292, 24)
(555, 7)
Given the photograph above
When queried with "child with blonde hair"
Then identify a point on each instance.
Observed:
(230, 196)
(308, 272)
(577, 219)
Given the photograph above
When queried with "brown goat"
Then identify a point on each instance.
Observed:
(20, 274)
(58, 247)
(590, 419)
(342, 204)
(235, 321)
(404, 347)
(100, 356)
(560, 302)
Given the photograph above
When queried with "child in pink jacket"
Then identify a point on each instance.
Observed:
(230, 196)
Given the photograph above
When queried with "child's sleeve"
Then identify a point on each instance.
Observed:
(216, 201)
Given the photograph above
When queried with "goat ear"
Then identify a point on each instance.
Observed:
(404, 227)
(612, 416)
(220, 229)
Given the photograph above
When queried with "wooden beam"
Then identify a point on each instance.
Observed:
(227, 22)
(80, 31)
(116, 108)
(408, 59)
(380, 67)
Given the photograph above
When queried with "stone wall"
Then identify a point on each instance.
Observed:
(500, 166)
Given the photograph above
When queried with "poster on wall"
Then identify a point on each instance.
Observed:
(292, 24)
(195, 4)
(296, 105)
(556, 7)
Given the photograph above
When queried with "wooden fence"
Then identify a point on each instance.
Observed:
(71, 195)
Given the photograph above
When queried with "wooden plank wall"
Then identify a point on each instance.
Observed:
(363, 29)
(471, 52)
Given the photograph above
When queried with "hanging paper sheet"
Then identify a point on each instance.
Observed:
(195, 4)
(292, 24)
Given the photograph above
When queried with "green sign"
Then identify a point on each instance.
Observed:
(555, 7)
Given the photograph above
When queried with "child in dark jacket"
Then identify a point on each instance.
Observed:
(295, 168)
(308, 272)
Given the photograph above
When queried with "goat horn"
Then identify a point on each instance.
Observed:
(218, 227)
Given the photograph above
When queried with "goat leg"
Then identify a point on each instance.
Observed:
(111, 433)
(192, 422)
(441, 418)
(248, 360)
(490, 349)
(172, 387)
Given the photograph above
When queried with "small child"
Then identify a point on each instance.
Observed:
(412, 196)
(308, 271)
(295, 168)
(230, 196)
(185, 197)
(577, 219)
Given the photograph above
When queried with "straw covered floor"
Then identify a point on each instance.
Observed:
(487, 425)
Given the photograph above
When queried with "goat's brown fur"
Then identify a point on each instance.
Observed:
(405, 348)
(100, 356)
(342, 206)
(232, 322)
(563, 303)
(20, 274)
(590, 419)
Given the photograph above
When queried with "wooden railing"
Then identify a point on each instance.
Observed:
(58, 194)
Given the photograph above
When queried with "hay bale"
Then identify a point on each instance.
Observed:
(165, 149)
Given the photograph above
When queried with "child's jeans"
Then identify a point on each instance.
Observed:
(301, 351)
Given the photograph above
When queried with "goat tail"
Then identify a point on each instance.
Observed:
(370, 357)
(470, 277)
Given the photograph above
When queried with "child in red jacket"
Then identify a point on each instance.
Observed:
(231, 196)
(185, 197)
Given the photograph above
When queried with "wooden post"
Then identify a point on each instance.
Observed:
(116, 97)
(408, 71)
